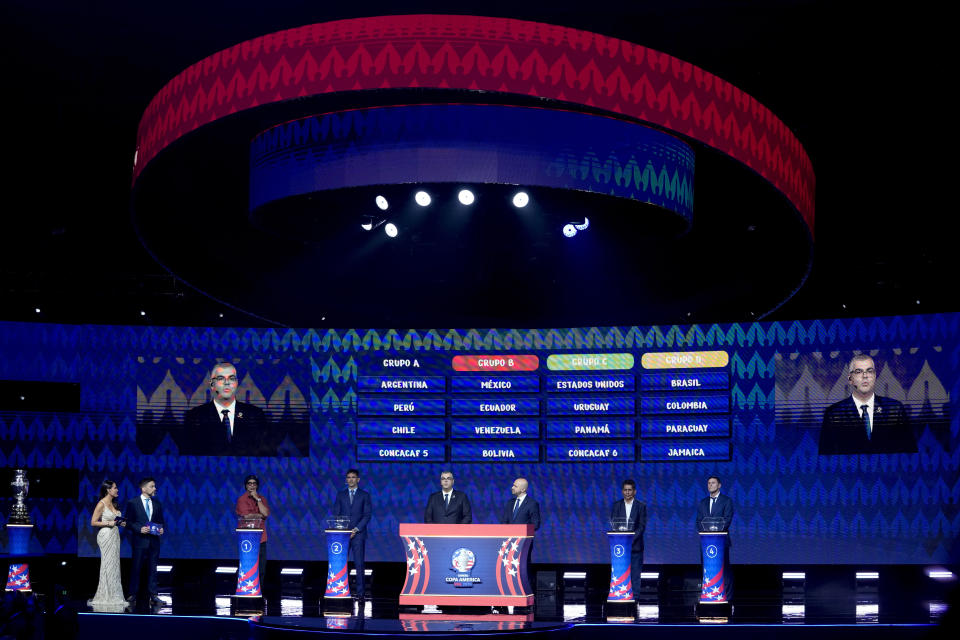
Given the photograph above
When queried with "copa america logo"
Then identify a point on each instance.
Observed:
(618, 551)
(711, 551)
(336, 547)
(462, 562)
(246, 547)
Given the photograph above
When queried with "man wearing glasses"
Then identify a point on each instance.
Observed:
(865, 422)
(225, 426)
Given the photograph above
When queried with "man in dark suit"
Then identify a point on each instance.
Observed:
(145, 524)
(634, 513)
(865, 422)
(447, 506)
(521, 509)
(355, 503)
(226, 426)
(717, 505)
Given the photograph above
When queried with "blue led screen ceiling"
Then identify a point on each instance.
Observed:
(765, 406)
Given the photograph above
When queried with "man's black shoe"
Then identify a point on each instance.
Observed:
(132, 599)
(155, 600)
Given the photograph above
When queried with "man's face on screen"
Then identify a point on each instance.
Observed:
(224, 382)
(863, 376)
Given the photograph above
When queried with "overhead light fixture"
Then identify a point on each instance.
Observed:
(382, 203)
(466, 197)
(370, 222)
(571, 228)
(422, 198)
(390, 229)
(521, 199)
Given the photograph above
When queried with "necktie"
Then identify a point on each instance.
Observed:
(148, 505)
(226, 422)
(712, 500)
(516, 507)
(446, 500)
(352, 491)
(866, 418)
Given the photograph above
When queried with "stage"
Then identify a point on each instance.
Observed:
(886, 601)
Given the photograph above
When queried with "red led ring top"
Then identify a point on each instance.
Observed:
(485, 54)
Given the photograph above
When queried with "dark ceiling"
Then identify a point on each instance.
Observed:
(853, 85)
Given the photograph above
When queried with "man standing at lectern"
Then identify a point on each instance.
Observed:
(634, 513)
(522, 509)
(717, 505)
(865, 422)
(355, 503)
(447, 506)
(251, 505)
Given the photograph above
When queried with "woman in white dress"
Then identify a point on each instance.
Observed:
(105, 514)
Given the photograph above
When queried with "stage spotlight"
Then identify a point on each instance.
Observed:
(36, 310)
(465, 196)
(390, 229)
(422, 198)
(367, 224)
(571, 228)
(143, 313)
(382, 203)
(520, 199)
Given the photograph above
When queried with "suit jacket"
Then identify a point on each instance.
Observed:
(637, 522)
(205, 435)
(136, 517)
(528, 513)
(842, 430)
(722, 508)
(458, 512)
(360, 511)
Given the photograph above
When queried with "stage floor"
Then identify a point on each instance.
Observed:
(292, 615)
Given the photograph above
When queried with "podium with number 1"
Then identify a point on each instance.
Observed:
(249, 532)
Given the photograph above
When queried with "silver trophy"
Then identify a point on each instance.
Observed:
(21, 487)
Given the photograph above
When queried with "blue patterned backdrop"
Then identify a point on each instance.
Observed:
(791, 504)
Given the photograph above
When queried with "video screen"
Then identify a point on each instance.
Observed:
(835, 439)
(212, 407)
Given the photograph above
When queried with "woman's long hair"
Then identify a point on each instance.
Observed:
(106, 486)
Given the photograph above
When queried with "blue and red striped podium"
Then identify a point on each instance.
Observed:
(467, 564)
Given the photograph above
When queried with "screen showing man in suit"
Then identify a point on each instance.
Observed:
(865, 422)
(225, 426)
(227, 410)
(447, 506)
(633, 513)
